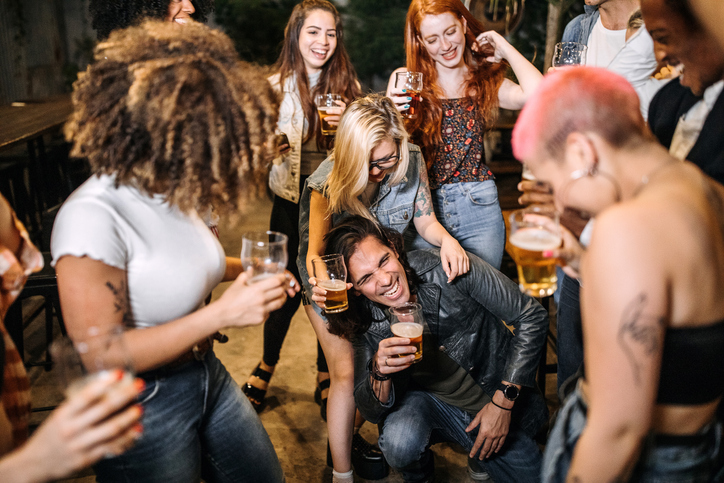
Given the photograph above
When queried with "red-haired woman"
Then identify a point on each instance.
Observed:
(463, 85)
(313, 61)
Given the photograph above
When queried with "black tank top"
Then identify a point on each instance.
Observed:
(692, 365)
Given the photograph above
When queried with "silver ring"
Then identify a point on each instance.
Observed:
(386, 362)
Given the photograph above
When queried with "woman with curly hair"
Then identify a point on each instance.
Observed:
(169, 120)
(110, 15)
(313, 61)
(463, 86)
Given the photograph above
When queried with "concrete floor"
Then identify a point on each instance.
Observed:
(291, 417)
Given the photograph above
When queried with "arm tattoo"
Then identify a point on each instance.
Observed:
(423, 206)
(121, 301)
(640, 335)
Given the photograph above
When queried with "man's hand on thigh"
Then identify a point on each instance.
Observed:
(493, 424)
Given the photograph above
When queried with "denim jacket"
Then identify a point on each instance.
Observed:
(579, 29)
(394, 206)
(464, 319)
(285, 171)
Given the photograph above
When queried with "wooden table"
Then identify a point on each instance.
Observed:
(29, 122)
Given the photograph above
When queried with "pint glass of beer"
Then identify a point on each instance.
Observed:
(412, 83)
(324, 103)
(406, 321)
(263, 254)
(331, 274)
(534, 230)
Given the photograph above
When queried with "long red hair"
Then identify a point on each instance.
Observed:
(482, 84)
(338, 75)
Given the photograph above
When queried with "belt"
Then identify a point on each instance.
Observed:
(196, 353)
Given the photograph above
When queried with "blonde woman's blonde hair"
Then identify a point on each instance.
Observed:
(366, 123)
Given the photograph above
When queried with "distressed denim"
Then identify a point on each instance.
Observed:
(421, 420)
(658, 463)
(471, 213)
(196, 424)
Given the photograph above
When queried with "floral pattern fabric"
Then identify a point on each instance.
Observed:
(460, 158)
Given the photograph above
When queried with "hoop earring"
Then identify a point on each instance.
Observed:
(591, 172)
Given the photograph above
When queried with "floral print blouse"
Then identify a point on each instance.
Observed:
(460, 157)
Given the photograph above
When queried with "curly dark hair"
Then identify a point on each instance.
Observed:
(344, 239)
(173, 111)
(110, 15)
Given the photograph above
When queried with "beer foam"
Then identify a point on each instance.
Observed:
(535, 239)
(333, 284)
(408, 330)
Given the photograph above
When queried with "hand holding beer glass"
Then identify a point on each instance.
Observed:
(411, 84)
(406, 321)
(331, 274)
(328, 105)
(263, 254)
(534, 230)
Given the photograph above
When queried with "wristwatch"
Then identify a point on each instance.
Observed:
(510, 391)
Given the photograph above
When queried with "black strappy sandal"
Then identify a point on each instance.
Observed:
(256, 396)
(321, 386)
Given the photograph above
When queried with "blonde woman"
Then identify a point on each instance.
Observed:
(376, 173)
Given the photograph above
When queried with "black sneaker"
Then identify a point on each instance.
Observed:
(367, 459)
(476, 472)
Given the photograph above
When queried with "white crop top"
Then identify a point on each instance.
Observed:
(172, 259)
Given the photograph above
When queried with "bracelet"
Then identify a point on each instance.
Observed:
(499, 406)
(377, 376)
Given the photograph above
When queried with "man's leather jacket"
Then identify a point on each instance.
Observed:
(465, 320)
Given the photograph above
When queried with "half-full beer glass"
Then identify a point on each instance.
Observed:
(407, 321)
(331, 274)
(412, 83)
(534, 230)
(324, 103)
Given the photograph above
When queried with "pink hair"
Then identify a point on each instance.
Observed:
(581, 99)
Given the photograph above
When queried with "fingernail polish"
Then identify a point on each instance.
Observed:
(404, 90)
(547, 254)
(406, 106)
(118, 374)
(138, 427)
(409, 98)
(139, 384)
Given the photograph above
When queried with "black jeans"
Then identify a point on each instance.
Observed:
(285, 219)
(570, 333)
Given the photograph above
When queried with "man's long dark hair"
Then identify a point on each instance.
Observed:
(344, 239)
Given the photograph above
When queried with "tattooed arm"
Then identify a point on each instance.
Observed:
(624, 305)
(95, 294)
(453, 257)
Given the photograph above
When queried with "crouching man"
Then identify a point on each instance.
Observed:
(482, 343)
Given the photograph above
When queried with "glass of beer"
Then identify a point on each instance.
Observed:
(566, 54)
(534, 230)
(263, 254)
(412, 83)
(407, 322)
(331, 274)
(324, 103)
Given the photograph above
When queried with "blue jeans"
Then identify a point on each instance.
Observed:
(470, 212)
(421, 419)
(196, 424)
(674, 461)
(569, 329)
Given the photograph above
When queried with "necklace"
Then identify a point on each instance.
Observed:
(645, 179)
